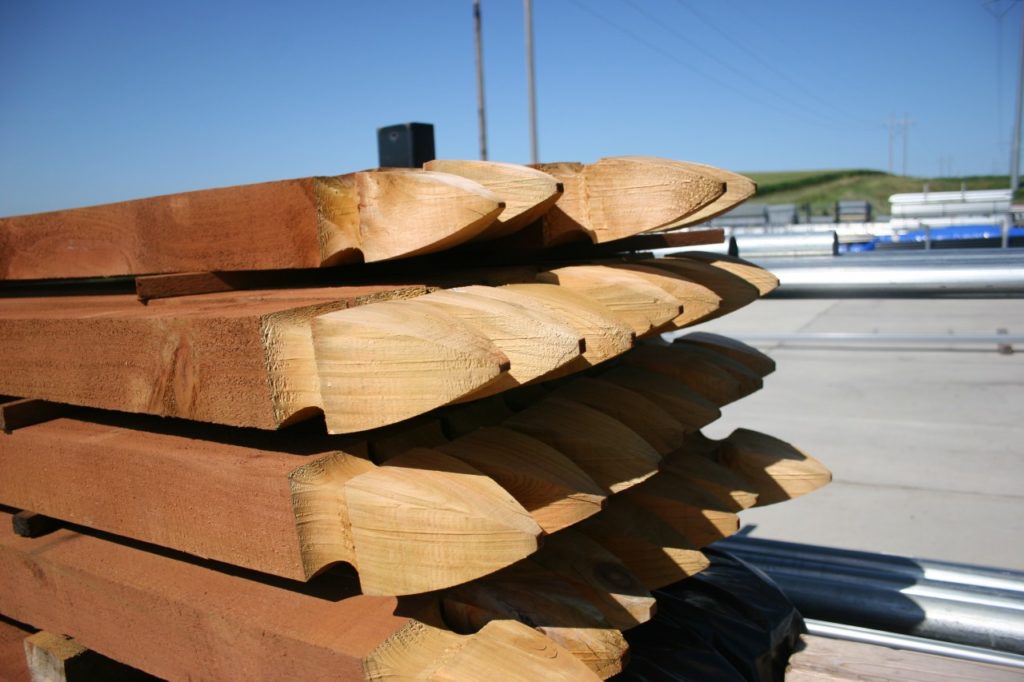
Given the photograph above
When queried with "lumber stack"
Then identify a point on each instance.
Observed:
(390, 424)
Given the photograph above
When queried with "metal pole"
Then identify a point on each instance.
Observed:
(892, 126)
(528, 18)
(906, 134)
(1015, 157)
(480, 80)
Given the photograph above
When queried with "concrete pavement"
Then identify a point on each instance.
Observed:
(926, 443)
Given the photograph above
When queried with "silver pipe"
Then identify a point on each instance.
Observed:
(878, 279)
(852, 633)
(939, 571)
(723, 248)
(787, 244)
(955, 603)
(851, 337)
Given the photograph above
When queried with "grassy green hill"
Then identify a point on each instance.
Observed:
(821, 189)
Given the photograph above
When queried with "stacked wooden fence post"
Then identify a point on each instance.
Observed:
(390, 424)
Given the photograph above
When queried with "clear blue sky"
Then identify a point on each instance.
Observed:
(103, 100)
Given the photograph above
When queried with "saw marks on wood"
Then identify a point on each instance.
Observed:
(306, 222)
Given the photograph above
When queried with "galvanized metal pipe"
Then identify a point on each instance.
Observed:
(998, 272)
(892, 640)
(998, 340)
(788, 244)
(968, 605)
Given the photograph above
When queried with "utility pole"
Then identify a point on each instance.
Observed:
(480, 80)
(897, 127)
(528, 19)
(998, 10)
(906, 135)
(1015, 154)
(892, 126)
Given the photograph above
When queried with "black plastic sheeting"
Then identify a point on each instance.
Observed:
(728, 623)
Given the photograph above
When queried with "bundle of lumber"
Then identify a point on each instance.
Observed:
(480, 460)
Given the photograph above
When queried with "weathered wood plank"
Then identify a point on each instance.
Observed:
(235, 498)
(822, 658)
(302, 223)
(184, 620)
(618, 197)
(226, 361)
(13, 666)
(58, 658)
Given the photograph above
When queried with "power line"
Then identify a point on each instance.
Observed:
(768, 65)
(998, 11)
(687, 66)
(898, 128)
(685, 39)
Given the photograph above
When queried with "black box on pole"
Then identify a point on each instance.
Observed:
(407, 145)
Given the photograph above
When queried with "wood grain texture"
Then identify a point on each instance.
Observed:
(734, 291)
(307, 222)
(182, 620)
(428, 520)
(527, 193)
(555, 490)
(536, 343)
(644, 416)
(699, 302)
(761, 279)
(655, 553)
(610, 453)
(604, 335)
(693, 463)
(251, 502)
(243, 362)
(506, 648)
(673, 500)
(57, 658)
(643, 306)
(756, 361)
(821, 658)
(382, 363)
(619, 197)
(599, 576)
(777, 470)
(13, 666)
(132, 483)
(748, 381)
(534, 595)
(704, 376)
(738, 188)
(686, 406)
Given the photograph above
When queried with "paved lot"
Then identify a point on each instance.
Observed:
(926, 443)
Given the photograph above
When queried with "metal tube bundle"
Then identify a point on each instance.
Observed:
(945, 601)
